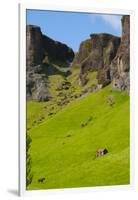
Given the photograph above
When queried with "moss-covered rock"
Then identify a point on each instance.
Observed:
(96, 54)
(83, 53)
(43, 56)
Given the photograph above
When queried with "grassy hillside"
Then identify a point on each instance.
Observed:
(63, 145)
(38, 112)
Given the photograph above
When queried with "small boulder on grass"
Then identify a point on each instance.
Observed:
(87, 122)
(83, 125)
(41, 180)
(111, 101)
(68, 135)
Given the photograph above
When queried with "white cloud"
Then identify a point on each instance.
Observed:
(113, 20)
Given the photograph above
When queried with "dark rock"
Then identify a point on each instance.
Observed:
(94, 87)
(111, 101)
(42, 53)
(83, 53)
(87, 122)
(82, 125)
(41, 48)
(85, 91)
(68, 135)
(103, 50)
(59, 103)
(41, 180)
(76, 96)
(109, 56)
(36, 87)
(60, 94)
(62, 102)
(51, 113)
(34, 42)
(65, 85)
(120, 65)
(42, 95)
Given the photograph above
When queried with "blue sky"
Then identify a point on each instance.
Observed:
(73, 28)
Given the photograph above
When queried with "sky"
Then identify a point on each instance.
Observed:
(72, 28)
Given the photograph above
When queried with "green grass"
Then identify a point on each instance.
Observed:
(91, 76)
(63, 151)
(37, 112)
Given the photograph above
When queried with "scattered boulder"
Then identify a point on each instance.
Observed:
(42, 95)
(76, 96)
(111, 101)
(50, 114)
(65, 85)
(83, 125)
(41, 180)
(68, 135)
(60, 94)
(86, 123)
(95, 87)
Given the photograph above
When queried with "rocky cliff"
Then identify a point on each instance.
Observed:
(42, 53)
(103, 50)
(41, 48)
(84, 51)
(108, 55)
(120, 66)
(104, 54)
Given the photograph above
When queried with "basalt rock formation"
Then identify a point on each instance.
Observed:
(41, 48)
(101, 50)
(120, 66)
(108, 55)
(83, 53)
(103, 53)
(41, 54)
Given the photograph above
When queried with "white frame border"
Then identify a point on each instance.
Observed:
(22, 97)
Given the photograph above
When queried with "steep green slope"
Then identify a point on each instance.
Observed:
(63, 147)
(37, 112)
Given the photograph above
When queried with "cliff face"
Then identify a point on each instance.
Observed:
(98, 55)
(108, 55)
(105, 54)
(120, 66)
(41, 48)
(34, 43)
(42, 53)
(84, 51)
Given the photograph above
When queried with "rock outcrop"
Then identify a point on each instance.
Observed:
(108, 55)
(41, 48)
(41, 54)
(120, 66)
(34, 43)
(98, 55)
(84, 51)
